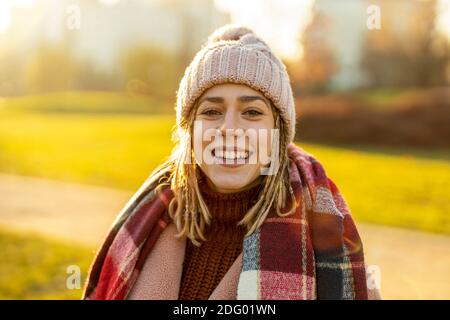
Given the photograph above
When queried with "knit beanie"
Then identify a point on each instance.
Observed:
(235, 54)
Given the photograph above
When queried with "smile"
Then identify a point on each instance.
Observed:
(230, 158)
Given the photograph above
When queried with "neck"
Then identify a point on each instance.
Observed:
(227, 209)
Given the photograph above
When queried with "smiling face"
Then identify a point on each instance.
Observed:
(241, 119)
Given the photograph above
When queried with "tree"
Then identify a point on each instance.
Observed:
(407, 50)
(51, 68)
(11, 65)
(312, 74)
(88, 77)
(151, 71)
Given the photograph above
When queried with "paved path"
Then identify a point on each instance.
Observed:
(413, 265)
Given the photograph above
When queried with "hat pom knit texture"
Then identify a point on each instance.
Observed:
(235, 54)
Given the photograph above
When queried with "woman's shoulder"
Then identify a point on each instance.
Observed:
(309, 166)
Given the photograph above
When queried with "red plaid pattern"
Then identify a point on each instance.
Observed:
(315, 253)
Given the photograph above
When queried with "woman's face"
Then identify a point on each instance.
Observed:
(232, 136)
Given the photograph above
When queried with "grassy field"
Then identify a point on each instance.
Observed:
(33, 267)
(96, 146)
(390, 187)
(44, 136)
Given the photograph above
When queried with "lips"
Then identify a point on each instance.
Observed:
(233, 158)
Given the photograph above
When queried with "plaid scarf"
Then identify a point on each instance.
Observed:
(314, 253)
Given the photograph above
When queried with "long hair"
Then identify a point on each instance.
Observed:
(188, 209)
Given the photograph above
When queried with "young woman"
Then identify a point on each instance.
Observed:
(237, 211)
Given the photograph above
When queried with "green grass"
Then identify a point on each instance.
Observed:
(399, 187)
(111, 149)
(86, 103)
(33, 267)
(390, 188)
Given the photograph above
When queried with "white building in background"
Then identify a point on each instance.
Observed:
(348, 30)
(347, 20)
(175, 24)
(107, 30)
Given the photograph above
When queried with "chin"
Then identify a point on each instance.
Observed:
(229, 180)
(230, 186)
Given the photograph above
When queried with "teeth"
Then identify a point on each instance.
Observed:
(231, 155)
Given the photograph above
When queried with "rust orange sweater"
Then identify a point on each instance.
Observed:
(205, 266)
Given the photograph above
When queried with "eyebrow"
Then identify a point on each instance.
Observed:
(240, 99)
(251, 98)
(211, 99)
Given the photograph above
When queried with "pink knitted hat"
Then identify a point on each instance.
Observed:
(235, 54)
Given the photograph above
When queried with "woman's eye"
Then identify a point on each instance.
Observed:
(253, 112)
(210, 112)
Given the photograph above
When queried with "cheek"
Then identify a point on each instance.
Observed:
(200, 128)
(203, 137)
(271, 134)
(265, 135)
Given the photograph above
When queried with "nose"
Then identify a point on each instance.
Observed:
(230, 124)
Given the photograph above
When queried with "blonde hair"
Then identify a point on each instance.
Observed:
(188, 209)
